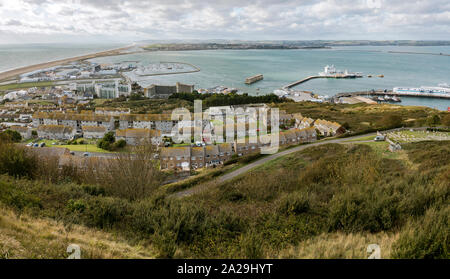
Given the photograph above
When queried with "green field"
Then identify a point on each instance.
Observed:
(23, 85)
(84, 148)
(89, 146)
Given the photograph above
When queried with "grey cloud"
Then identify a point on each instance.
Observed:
(285, 19)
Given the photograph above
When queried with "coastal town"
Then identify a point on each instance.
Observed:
(253, 133)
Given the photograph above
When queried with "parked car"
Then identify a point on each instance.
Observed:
(30, 144)
(379, 138)
(36, 145)
(42, 144)
(86, 154)
(72, 153)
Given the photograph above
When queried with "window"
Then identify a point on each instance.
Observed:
(179, 158)
(171, 158)
(193, 158)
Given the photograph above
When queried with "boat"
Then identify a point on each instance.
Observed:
(369, 76)
(381, 76)
(381, 99)
(387, 98)
(330, 71)
(396, 99)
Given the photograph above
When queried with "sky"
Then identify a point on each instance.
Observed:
(97, 21)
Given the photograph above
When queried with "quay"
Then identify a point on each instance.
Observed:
(391, 93)
(295, 83)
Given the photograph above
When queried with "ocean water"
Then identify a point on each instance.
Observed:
(281, 67)
(18, 55)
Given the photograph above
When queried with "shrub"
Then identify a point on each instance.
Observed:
(119, 144)
(427, 238)
(363, 211)
(107, 141)
(15, 197)
(11, 135)
(294, 204)
(16, 160)
(251, 245)
(391, 121)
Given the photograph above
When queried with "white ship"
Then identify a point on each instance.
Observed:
(330, 71)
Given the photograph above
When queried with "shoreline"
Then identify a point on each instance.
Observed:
(4, 76)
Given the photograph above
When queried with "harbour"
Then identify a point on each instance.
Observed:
(227, 67)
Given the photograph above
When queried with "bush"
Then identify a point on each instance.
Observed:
(11, 135)
(16, 160)
(390, 121)
(294, 204)
(426, 238)
(120, 144)
(363, 211)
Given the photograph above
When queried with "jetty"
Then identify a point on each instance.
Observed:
(253, 79)
(295, 83)
(329, 72)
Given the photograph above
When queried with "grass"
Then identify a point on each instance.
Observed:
(84, 148)
(23, 236)
(327, 201)
(362, 118)
(361, 139)
(88, 146)
(340, 246)
(24, 85)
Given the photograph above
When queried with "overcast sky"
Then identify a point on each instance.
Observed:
(30, 21)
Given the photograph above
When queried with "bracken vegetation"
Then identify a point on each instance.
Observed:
(329, 201)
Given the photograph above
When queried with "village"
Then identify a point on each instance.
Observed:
(65, 123)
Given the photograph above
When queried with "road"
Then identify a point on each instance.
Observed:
(242, 170)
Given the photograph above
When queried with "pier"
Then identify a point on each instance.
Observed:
(253, 79)
(391, 93)
(295, 83)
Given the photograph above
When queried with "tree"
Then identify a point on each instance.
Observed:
(433, 120)
(132, 175)
(13, 136)
(446, 120)
(107, 141)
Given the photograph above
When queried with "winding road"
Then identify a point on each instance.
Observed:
(244, 169)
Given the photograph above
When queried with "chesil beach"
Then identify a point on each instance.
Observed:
(404, 66)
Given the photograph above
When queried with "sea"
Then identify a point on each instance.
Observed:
(280, 67)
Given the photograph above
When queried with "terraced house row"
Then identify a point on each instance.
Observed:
(188, 157)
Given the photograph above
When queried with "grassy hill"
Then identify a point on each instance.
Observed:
(22, 236)
(329, 201)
